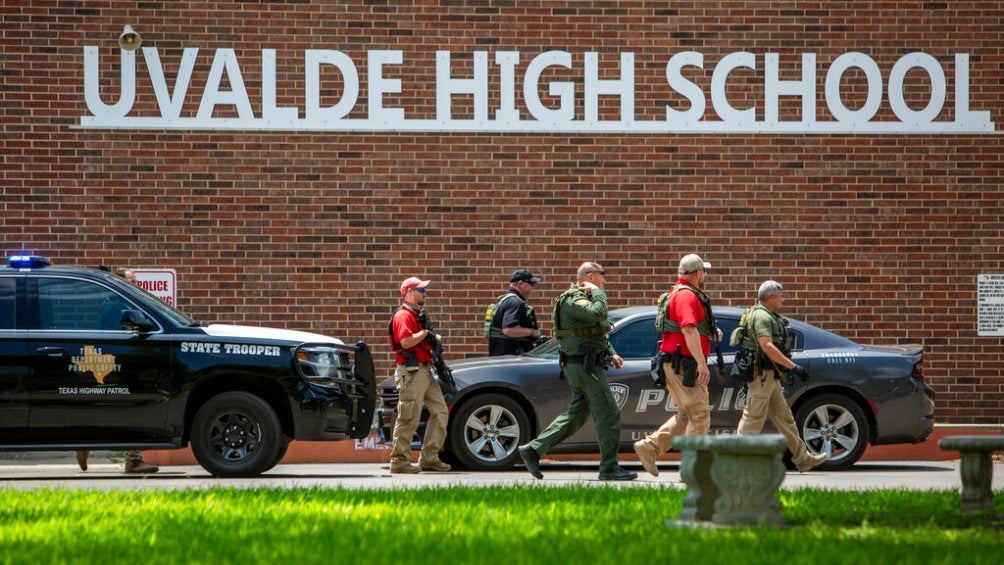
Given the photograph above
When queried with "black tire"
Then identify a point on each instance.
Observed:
(836, 425)
(282, 452)
(237, 434)
(486, 430)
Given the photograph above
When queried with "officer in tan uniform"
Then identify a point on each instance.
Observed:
(767, 332)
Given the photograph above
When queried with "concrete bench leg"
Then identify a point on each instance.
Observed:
(747, 471)
(695, 470)
(732, 479)
(977, 471)
(976, 467)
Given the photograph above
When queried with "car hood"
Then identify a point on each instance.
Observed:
(484, 369)
(269, 334)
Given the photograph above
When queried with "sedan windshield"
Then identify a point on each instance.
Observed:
(549, 349)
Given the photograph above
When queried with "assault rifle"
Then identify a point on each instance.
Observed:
(439, 366)
(715, 342)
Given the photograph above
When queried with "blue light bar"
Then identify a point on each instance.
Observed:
(28, 262)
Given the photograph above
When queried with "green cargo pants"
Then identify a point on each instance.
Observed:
(591, 396)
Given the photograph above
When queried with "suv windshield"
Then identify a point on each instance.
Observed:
(164, 309)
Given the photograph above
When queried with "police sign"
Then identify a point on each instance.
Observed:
(161, 283)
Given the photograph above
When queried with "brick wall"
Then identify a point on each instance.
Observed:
(877, 237)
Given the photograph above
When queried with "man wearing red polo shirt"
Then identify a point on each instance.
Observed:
(690, 333)
(415, 384)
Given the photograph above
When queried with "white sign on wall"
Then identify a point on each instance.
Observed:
(990, 305)
(323, 70)
(162, 283)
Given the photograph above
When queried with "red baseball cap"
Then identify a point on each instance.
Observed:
(413, 282)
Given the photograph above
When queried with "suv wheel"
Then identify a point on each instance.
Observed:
(486, 430)
(834, 424)
(236, 434)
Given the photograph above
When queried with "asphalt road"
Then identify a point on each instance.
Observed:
(107, 475)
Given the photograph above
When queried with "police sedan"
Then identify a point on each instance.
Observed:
(856, 396)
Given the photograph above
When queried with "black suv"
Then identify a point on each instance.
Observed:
(89, 360)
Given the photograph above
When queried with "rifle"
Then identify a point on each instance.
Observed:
(439, 366)
(706, 302)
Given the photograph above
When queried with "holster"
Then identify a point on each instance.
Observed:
(688, 371)
(410, 361)
(657, 369)
(590, 357)
(684, 366)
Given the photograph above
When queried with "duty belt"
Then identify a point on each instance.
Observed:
(580, 332)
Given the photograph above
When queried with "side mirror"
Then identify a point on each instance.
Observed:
(136, 321)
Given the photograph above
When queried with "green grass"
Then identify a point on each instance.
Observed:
(503, 525)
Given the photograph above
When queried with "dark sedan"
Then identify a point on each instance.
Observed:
(857, 395)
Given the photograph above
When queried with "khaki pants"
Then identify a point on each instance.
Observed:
(414, 389)
(765, 399)
(693, 415)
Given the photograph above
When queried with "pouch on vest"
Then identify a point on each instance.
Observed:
(490, 330)
(661, 317)
(742, 366)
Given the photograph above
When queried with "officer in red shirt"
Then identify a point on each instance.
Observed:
(689, 332)
(415, 384)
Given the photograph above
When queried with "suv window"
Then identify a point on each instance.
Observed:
(7, 302)
(69, 304)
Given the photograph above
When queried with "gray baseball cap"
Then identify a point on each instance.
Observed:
(692, 263)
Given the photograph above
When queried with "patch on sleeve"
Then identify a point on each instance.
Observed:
(583, 302)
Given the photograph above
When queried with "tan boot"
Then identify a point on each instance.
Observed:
(435, 466)
(82, 459)
(647, 456)
(810, 462)
(404, 469)
(138, 466)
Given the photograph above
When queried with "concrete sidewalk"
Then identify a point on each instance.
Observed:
(28, 474)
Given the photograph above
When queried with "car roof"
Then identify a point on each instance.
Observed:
(820, 337)
(648, 311)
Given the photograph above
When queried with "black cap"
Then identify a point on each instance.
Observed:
(523, 275)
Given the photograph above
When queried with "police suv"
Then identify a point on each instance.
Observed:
(89, 360)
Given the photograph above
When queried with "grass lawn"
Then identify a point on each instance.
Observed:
(485, 526)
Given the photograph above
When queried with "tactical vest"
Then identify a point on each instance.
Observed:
(396, 345)
(495, 331)
(666, 325)
(743, 336)
(601, 328)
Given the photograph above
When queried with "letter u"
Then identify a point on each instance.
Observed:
(92, 94)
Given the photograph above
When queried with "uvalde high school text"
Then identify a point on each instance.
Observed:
(380, 67)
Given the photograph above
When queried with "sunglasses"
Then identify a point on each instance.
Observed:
(420, 290)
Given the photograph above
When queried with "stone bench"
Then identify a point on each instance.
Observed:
(732, 479)
(976, 467)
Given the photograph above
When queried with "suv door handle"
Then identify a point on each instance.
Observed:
(52, 351)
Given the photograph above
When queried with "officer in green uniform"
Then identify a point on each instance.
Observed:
(581, 325)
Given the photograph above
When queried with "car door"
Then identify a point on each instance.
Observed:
(91, 380)
(13, 363)
(643, 406)
(639, 401)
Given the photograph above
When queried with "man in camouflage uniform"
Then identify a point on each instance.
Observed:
(767, 332)
(581, 325)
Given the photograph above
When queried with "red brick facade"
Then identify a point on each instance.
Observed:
(878, 237)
